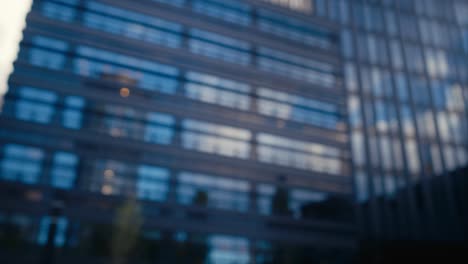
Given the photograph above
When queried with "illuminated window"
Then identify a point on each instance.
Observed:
(21, 163)
(217, 139)
(297, 5)
(60, 234)
(298, 154)
(297, 108)
(35, 105)
(216, 90)
(63, 172)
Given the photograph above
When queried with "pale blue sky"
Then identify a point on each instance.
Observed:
(12, 21)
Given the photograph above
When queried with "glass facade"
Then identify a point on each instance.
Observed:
(220, 116)
(241, 127)
(403, 66)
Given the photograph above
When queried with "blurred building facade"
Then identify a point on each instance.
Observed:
(245, 128)
(225, 119)
(406, 75)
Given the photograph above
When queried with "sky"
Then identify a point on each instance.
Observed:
(12, 21)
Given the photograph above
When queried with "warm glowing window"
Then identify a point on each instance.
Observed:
(298, 5)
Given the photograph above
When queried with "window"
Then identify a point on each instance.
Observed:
(374, 18)
(36, 105)
(48, 53)
(64, 170)
(60, 233)
(372, 48)
(221, 193)
(425, 29)
(377, 82)
(402, 88)
(358, 148)
(465, 40)
(132, 25)
(297, 108)
(43, 106)
(159, 128)
(390, 19)
(407, 120)
(298, 154)
(347, 44)
(397, 55)
(397, 154)
(392, 117)
(72, 116)
(58, 11)
(216, 139)
(265, 194)
(293, 29)
(351, 77)
(297, 199)
(369, 114)
(462, 155)
(343, 15)
(217, 90)
(320, 7)
(381, 116)
(436, 159)
(149, 75)
(461, 9)
(449, 157)
(443, 125)
(152, 183)
(387, 83)
(121, 121)
(47, 59)
(111, 177)
(362, 186)
(296, 67)
(358, 14)
(178, 3)
(374, 153)
(126, 122)
(454, 97)
(425, 122)
(385, 148)
(366, 80)
(420, 91)
(354, 110)
(457, 125)
(412, 156)
(408, 27)
(22, 163)
(414, 59)
(228, 10)
(378, 184)
(382, 50)
(219, 47)
(228, 249)
(296, 5)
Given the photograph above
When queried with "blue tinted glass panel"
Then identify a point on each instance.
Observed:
(222, 193)
(63, 173)
(22, 163)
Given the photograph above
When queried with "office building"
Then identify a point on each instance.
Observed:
(406, 75)
(245, 129)
(225, 119)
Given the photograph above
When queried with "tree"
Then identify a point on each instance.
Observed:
(127, 228)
